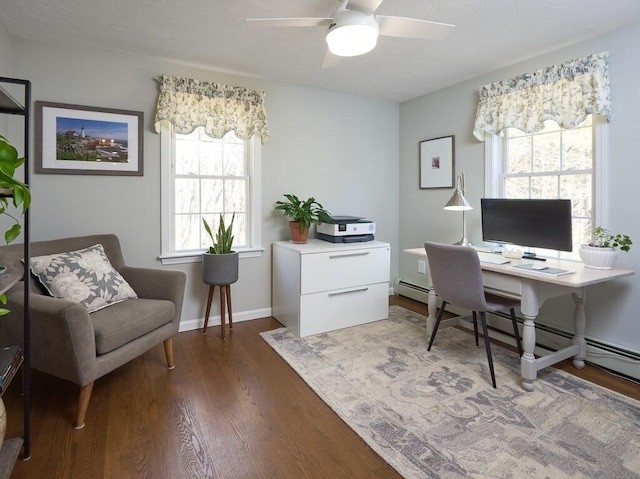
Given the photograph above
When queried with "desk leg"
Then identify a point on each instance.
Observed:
(528, 367)
(433, 306)
(579, 321)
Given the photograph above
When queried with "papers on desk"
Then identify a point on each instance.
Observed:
(535, 268)
(492, 258)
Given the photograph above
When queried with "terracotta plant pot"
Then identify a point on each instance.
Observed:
(298, 236)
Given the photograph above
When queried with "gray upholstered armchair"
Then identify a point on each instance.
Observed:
(69, 342)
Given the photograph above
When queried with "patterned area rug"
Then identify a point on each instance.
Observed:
(435, 414)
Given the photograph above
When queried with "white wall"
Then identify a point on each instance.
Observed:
(612, 309)
(342, 149)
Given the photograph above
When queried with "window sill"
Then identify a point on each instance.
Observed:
(196, 256)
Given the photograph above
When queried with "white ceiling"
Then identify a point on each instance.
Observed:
(489, 34)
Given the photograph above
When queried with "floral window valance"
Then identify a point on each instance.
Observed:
(188, 104)
(566, 93)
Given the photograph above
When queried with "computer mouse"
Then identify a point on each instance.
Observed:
(539, 267)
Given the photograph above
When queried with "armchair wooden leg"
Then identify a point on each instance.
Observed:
(83, 404)
(168, 351)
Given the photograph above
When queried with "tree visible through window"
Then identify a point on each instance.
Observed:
(553, 163)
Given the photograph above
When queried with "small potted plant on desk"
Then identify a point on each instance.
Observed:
(303, 214)
(602, 251)
(220, 268)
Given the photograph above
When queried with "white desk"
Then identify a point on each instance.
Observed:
(533, 289)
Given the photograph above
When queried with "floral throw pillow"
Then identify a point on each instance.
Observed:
(85, 276)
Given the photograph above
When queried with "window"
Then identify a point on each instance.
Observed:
(204, 177)
(552, 163)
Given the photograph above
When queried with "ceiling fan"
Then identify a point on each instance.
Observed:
(353, 28)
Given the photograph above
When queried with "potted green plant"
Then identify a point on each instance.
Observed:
(303, 214)
(602, 251)
(11, 188)
(219, 262)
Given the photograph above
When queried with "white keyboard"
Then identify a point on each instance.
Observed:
(492, 258)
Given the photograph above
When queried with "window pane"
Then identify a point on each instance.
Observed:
(516, 188)
(546, 152)
(519, 160)
(187, 232)
(544, 187)
(211, 158)
(577, 149)
(578, 188)
(186, 195)
(186, 156)
(234, 160)
(212, 196)
(235, 195)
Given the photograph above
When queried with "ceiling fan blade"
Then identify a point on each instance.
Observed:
(413, 28)
(330, 60)
(366, 6)
(289, 22)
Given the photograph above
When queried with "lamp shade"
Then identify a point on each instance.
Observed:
(353, 33)
(458, 202)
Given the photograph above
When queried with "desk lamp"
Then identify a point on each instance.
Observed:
(459, 203)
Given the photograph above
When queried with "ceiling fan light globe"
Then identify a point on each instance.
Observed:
(352, 33)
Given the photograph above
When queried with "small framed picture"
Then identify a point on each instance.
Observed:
(436, 162)
(86, 140)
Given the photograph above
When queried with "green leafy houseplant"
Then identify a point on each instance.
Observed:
(222, 241)
(11, 187)
(14, 189)
(603, 239)
(306, 212)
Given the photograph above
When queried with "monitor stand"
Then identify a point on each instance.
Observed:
(531, 255)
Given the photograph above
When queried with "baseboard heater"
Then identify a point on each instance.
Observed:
(615, 358)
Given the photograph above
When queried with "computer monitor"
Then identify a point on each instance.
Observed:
(532, 223)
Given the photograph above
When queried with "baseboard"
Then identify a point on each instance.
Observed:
(410, 290)
(214, 320)
(548, 338)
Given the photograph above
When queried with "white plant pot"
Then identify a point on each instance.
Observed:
(598, 258)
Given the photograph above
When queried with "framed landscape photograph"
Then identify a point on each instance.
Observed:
(86, 140)
(436, 162)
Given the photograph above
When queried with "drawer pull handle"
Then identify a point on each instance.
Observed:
(349, 255)
(348, 292)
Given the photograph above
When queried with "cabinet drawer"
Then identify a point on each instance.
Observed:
(343, 269)
(502, 284)
(330, 310)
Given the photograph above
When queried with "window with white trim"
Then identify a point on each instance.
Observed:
(551, 163)
(204, 177)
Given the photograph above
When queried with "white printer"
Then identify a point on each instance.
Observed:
(346, 229)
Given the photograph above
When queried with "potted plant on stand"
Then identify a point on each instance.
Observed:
(602, 251)
(220, 268)
(303, 214)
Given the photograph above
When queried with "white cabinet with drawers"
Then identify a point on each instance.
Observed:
(321, 286)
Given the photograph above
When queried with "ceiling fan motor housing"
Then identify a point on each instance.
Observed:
(352, 33)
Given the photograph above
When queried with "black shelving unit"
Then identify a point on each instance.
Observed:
(10, 106)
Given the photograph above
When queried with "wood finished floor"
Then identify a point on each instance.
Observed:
(229, 409)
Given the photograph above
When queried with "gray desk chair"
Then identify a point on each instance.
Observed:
(457, 279)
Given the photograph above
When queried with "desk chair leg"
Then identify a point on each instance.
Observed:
(515, 330)
(475, 325)
(435, 327)
(206, 314)
(483, 318)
